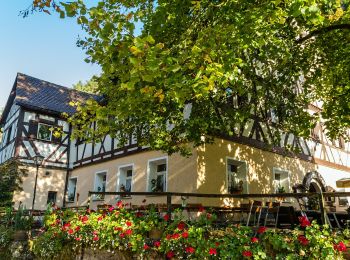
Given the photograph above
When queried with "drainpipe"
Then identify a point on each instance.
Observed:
(68, 169)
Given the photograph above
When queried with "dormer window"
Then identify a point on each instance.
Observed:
(44, 132)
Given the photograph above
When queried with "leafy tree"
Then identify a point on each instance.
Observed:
(11, 174)
(90, 86)
(224, 61)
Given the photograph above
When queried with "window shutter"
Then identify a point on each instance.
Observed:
(33, 129)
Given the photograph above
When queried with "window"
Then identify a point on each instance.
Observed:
(100, 184)
(51, 197)
(157, 175)
(44, 132)
(281, 181)
(72, 188)
(9, 133)
(125, 178)
(342, 201)
(236, 177)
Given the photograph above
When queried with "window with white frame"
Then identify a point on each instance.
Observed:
(125, 174)
(236, 176)
(281, 181)
(100, 183)
(44, 132)
(72, 188)
(157, 175)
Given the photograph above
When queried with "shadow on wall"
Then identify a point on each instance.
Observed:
(212, 168)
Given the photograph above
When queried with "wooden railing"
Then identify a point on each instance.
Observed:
(170, 195)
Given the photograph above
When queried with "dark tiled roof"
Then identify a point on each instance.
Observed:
(39, 94)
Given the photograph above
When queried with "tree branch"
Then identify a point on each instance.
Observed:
(324, 30)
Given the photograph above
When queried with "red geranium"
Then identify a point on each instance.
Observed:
(190, 250)
(128, 232)
(70, 231)
(304, 221)
(145, 247)
(77, 229)
(139, 214)
(303, 240)
(201, 209)
(119, 204)
(156, 243)
(168, 236)
(175, 236)
(247, 253)
(217, 244)
(99, 218)
(128, 223)
(170, 254)
(78, 238)
(111, 208)
(254, 240)
(84, 219)
(212, 251)
(96, 238)
(166, 217)
(122, 235)
(208, 216)
(185, 234)
(261, 230)
(181, 226)
(341, 247)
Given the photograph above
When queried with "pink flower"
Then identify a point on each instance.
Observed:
(303, 240)
(96, 238)
(110, 209)
(185, 235)
(261, 230)
(254, 240)
(166, 217)
(128, 232)
(170, 254)
(78, 238)
(208, 216)
(341, 247)
(145, 247)
(95, 232)
(304, 221)
(156, 243)
(181, 226)
(128, 223)
(190, 250)
(212, 251)
(247, 253)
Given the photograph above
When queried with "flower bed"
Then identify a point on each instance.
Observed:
(121, 230)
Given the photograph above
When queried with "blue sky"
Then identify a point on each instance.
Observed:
(40, 45)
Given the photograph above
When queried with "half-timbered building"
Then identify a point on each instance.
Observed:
(245, 162)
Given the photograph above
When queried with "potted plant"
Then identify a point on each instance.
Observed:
(156, 223)
(280, 189)
(236, 188)
(22, 223)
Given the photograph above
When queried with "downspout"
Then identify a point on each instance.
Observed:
(68, 168)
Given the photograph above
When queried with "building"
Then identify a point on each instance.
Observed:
(71, 168)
